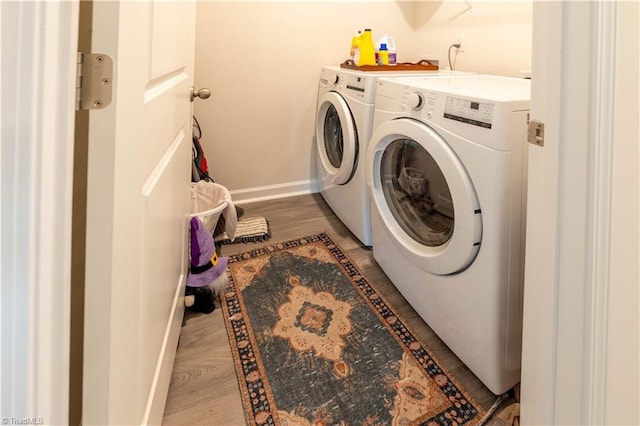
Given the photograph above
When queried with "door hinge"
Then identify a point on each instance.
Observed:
(94, 81)
(535, 134)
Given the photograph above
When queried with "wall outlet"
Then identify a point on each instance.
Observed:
(459, 40)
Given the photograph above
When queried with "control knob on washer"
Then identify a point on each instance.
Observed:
(334, 78)
(415, 100)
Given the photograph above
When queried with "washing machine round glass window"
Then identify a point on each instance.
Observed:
(333, 137)
(417, 192)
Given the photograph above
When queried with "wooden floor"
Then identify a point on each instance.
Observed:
(204, 389)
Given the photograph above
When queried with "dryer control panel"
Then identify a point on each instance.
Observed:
(356, 83)
(468, 111)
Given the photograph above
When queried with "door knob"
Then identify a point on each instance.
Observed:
(201, 93)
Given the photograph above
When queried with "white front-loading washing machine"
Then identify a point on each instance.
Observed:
(344, 119)
(446, 171)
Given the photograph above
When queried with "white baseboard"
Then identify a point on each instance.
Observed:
(271, 192)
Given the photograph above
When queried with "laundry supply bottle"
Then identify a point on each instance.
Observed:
(366, 49)
(391, 47)
(355, 47)
(383, 55)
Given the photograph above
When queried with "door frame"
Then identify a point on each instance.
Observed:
(37, 177)
(580, 334)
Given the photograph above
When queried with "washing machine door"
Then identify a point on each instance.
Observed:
(425, 199)
(337, 138)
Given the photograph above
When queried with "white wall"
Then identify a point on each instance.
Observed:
(262, 61)
(495, 35)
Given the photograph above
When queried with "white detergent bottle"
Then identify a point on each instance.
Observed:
(391, 48)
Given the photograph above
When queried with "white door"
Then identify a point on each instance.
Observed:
(137, 207)
(425, 198)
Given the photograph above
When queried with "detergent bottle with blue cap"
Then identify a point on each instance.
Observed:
(390, 44)
(383, 55)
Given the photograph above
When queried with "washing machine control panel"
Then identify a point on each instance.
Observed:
(430, 103)
(468, 111)
(415, 100)
(356, 83)
(454, 108)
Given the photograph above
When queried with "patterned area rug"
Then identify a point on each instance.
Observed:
(315, 343)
